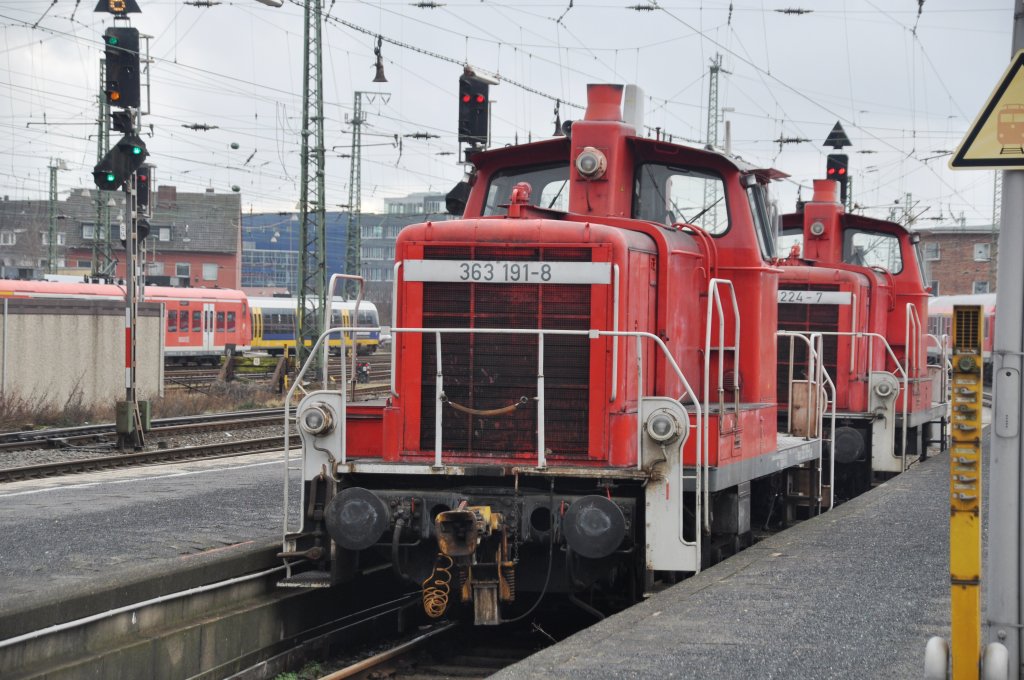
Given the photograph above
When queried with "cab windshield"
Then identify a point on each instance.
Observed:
(670, 194)
(872, 249)
(549, 185)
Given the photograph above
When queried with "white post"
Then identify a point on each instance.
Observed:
(1003, 578)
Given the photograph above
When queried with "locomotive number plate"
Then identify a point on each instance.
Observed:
(814, 297)
(500, 271)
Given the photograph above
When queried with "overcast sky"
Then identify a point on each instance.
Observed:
(905, 85)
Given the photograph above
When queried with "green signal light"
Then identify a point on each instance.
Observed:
(112, 40)
(136, 150)
(111, 177)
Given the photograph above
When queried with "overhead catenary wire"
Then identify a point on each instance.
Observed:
(544, 51)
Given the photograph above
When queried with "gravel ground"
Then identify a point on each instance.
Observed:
(20, 458)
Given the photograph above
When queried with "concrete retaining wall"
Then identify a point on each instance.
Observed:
(54, 352)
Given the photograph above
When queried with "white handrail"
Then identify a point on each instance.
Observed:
(394, 322)
(825, 380)
(943, 360)
(818, 379)
(328, 313)
(814, 370)
(715, 305)
(896, 363)
(700, 457)
(913, 331)
(615, 342)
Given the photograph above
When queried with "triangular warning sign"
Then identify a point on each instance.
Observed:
(837, 139)
(996, 137)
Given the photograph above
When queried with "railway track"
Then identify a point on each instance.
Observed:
(444, 650)
(199, 378)
(209, 422)
(232, 597)
(161, 456)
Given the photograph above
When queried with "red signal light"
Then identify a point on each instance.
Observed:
(480, 99)
(831, 171)
(465, 98)
(842, 171)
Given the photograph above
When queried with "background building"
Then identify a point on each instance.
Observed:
(194, 238)
(270, 246)
(24, 231)
(960, 259)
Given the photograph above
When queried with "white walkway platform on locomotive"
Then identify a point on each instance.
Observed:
(932, 414)
(791, 451)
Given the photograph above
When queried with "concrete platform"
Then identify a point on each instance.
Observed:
(64, 537)
(854, 593)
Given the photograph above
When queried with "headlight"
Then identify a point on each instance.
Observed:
(883, 389)
(662, 426)
(316, 420)
(591, 163)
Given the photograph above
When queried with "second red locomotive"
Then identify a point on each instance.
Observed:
(858, 283)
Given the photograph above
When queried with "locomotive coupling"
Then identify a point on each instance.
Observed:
(460, 531)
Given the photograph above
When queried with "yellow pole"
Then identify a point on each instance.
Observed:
(965, 494)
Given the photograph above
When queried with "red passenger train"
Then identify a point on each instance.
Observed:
(584, 394)
(200, 323)
(857, 283)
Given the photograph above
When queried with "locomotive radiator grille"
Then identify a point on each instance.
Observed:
(492, 371)
(805, 318)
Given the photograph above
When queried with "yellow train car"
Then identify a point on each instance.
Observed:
(273, 325)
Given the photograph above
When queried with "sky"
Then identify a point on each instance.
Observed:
(904, 77)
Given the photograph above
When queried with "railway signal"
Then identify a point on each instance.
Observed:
(121, 86)
(837, 167)
(120, 162)
(118, 7)
(473, 109)
(143, 184)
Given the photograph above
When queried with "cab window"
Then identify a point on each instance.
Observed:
(763, 224)
(872, 249)
(793, 236)
(669, 194)
(549, 187)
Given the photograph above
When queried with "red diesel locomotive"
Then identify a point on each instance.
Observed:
(858, 283)
(584, 384)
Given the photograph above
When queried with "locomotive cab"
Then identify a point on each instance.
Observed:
(583, 392)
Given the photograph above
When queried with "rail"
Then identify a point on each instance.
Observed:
(945, 366)
(701, 471)
(714, 311)
(903, 376)
(912, 342)
(346, 340)
(825, 391)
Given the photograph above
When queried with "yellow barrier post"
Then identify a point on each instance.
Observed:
(965, 494)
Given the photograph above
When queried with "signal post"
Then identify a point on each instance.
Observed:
(118, 170)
